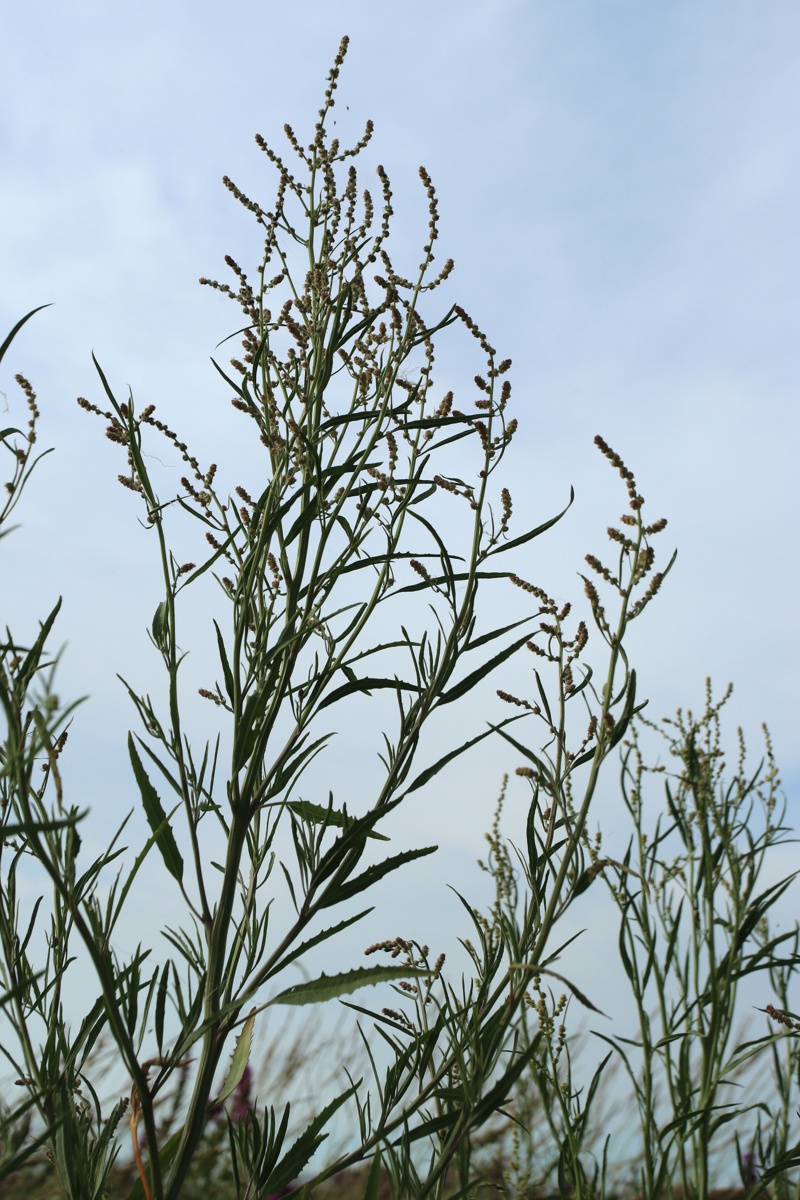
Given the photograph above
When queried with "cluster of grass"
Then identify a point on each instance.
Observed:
(366, 558)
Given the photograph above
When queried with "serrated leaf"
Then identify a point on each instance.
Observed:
(239, 1059)
(156, 817)
(372, 874)
(316, 940)
(329, 987)
(319, 814)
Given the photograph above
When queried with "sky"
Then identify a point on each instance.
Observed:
(618, 185)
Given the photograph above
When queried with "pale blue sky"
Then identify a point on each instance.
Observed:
(618, 185)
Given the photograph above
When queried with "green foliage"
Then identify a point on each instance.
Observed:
(693, 912)
(365, 471)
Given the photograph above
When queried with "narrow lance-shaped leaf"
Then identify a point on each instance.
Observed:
(367, 685)
(474, 677)
(156, 817)
(544, 772)
(31, 664)
(444, 557)
(17, 328)
(577, 993)
(291, 770)
(527, 537)
(372, 874)
(160, 627)
(226, 667)
(301, 1150)
(328, 987)
(629, 712)
(427, 1129)
(320, 814)
(474, 643)
(25, 828)
(374, 1178)
(435, 768)
(497, 1095)
(352, 841)
(161, 1004)
(239, 1059)
(318, 938)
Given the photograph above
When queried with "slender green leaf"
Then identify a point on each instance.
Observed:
(131, 874)
(542, 767)
(223, 658)
(156, 817)
(474, 643)
(320, 814)
(497, 1095)
(306, 517)
(623, 953)
(474, 677)
(239, 1059)
(527, 537)
(165, 771)
(372, 1192)
(352, 841)
(30, 663)
(303, 1148)
(372, 874)
(444, 556)
(426, 1129)
(17, 328)
(161, 1004)
(301, 950)
(460, 577)
(629, 711)
(329, 987)
(25, 828)
(577, 993)
(289, 773)
(160, 627)
(367, 685)
(430, 772)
